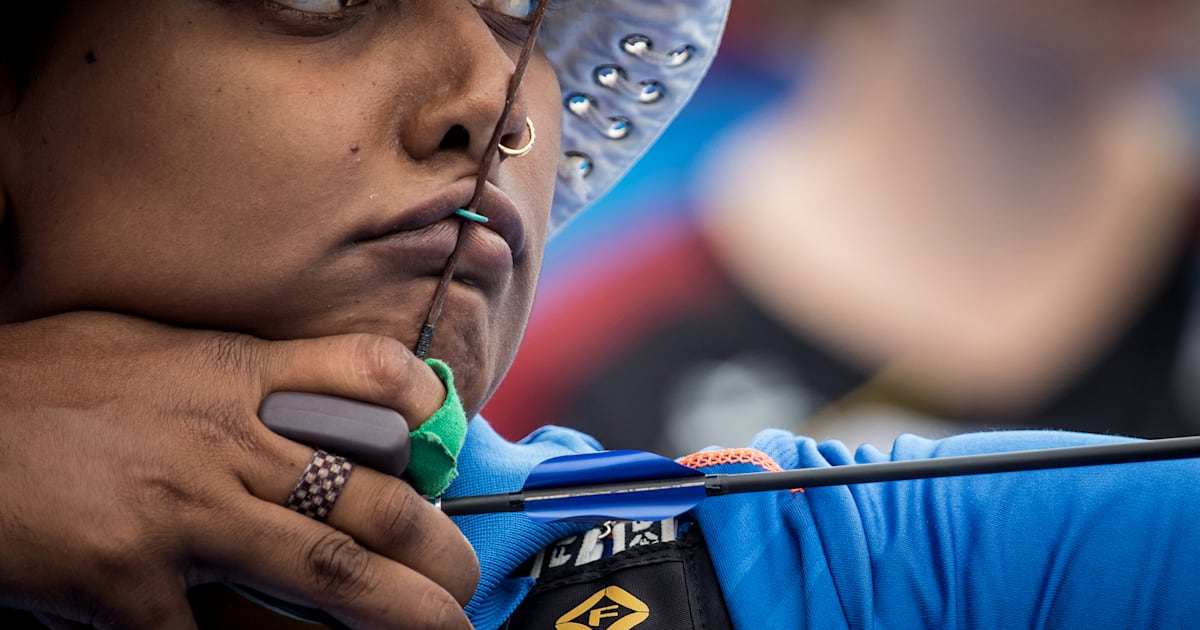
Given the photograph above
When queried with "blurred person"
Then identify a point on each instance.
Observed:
(966, 215)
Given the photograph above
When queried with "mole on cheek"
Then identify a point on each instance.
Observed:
(354, 148)
(89, 57)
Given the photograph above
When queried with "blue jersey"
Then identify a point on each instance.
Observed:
(1097, 547)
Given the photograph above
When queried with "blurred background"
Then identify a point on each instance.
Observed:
(881, 217)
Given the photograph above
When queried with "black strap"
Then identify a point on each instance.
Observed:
(625, 576)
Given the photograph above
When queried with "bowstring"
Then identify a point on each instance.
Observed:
(438, 301)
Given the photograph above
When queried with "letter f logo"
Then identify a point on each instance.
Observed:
(595, 611)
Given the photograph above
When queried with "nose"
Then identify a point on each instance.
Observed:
(466, 87)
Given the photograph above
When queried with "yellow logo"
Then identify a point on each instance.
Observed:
(613, 608)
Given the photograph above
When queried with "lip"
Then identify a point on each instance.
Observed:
(428, 230)
(503, 218)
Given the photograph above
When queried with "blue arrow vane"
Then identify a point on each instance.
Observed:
(634, 485)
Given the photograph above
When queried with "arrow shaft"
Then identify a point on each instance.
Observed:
(720, 484)
(519, 501)
(1014, 461)
(482, 504)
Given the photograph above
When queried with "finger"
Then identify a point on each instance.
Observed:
(384, 515)
(371, 368)
(295, 558)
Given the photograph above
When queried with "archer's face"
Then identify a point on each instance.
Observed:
(243, 165)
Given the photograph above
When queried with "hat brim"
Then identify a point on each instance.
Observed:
(652, 56)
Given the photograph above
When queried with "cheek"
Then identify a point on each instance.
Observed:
(208, 171)
(544, 104)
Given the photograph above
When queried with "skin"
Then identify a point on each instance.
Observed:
(188, 186)
(239, 160)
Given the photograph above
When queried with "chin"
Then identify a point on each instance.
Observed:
(474, 361)
(478, 343)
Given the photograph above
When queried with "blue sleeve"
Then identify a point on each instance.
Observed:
(1096, 547)
(490, 464)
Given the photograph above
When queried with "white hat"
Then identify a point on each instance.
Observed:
(626, 68)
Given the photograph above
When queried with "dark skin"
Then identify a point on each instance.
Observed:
(212, 200)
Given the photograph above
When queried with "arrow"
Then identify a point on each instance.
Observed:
(634, 485)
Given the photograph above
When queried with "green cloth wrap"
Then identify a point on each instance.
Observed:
(433, 458)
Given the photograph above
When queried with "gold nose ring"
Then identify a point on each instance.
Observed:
(518, 152)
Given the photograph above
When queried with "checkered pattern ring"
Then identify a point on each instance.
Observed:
(320, 485)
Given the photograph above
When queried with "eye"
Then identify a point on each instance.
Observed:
(321, 7)
(509, 19)
(520, 9)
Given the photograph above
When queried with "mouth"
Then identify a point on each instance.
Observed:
(423, 236)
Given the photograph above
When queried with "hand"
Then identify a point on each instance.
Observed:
(132, 466)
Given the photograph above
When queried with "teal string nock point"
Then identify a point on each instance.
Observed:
(471, 216)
